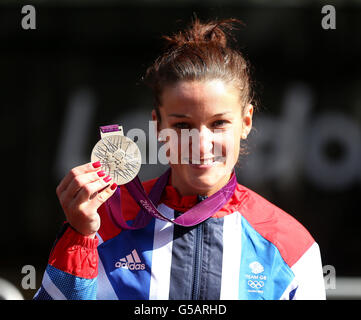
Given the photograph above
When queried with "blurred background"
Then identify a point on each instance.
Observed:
(82, 67)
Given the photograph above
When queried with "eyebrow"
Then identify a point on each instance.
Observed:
(179, 115)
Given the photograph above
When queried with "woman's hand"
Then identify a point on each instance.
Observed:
(82, 191)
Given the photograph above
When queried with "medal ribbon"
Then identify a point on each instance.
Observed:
(148, 203)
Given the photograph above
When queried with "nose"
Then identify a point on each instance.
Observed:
(203, 148)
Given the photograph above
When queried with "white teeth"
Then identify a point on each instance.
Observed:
(220, 159)
(207, 162)
(204, 162)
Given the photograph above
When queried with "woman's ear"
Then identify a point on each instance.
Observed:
(155, 118)
(247, 121)
(154, 115)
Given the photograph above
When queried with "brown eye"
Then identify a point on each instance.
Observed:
(181, 125)
(220, 123)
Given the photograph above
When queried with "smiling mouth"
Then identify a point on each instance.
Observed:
(204, 162)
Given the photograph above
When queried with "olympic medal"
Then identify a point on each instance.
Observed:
(119, 156)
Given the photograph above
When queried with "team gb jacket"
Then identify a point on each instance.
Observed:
(250, 249)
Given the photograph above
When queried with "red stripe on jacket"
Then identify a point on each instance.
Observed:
(75, 254)
(275, 225)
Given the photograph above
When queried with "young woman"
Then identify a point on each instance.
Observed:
(247, 249)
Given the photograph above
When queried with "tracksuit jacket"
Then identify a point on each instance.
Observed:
(250, 249)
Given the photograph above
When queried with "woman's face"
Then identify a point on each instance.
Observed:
(217, 120)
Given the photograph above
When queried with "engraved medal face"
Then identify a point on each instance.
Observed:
(119, 156)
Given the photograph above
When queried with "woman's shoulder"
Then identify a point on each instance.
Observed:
(280, 228)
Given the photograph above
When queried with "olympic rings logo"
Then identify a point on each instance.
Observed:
(255, 284)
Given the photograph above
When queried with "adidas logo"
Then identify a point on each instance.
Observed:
(131, 262)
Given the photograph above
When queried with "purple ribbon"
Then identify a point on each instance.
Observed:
(148, 203)
(110, 128)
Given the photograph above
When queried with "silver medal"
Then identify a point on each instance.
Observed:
(119, 156)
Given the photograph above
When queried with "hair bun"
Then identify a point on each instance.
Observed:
(213, 32)
(201, 51)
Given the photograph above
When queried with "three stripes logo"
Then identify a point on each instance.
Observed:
(130, 262)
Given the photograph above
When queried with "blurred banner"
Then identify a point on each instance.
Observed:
(80, 66)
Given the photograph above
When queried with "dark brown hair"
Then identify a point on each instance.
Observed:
(201, 52)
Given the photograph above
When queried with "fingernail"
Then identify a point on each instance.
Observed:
(96, 164)
(101, 173)
(107, 178)
(113, 186)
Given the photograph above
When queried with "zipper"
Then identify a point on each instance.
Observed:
(198, 253)
(197, 261)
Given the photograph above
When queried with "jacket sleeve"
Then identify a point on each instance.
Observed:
(309, 275)
(71, 273)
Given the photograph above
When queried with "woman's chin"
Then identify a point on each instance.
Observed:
(203, 179)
